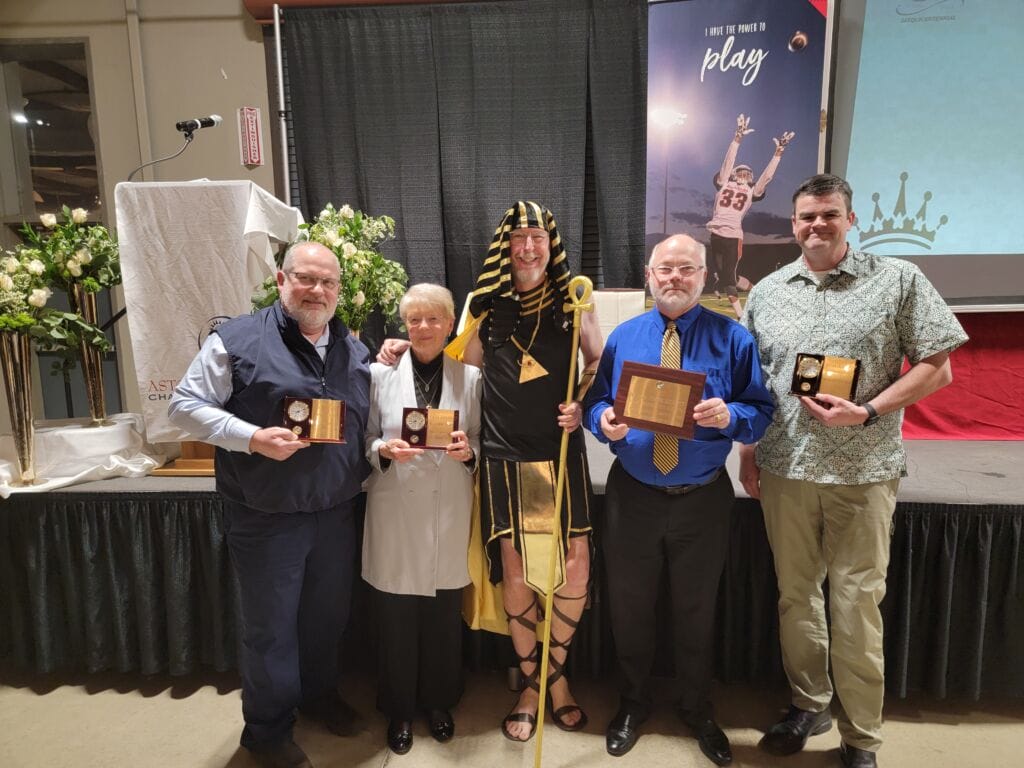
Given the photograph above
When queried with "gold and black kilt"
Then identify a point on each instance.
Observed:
(514, 495)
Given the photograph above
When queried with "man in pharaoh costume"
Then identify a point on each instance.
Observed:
(523, 342)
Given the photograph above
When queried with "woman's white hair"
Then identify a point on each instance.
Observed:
(427, 294)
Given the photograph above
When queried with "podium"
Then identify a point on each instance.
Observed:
(191, 255)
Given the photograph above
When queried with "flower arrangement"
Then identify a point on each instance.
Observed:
(368, 280)
(72, 256)
(77, 254)
(23, 289)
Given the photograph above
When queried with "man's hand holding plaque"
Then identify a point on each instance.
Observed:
(315, 420)
(658, 399)
(429, 427)
(827, 386)
(825, 374)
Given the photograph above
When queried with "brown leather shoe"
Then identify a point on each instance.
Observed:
(790, 734)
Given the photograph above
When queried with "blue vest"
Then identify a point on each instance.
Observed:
(271, 359)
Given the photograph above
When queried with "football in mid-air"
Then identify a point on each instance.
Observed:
(798, 41)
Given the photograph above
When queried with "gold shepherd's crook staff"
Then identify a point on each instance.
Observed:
(580, 289)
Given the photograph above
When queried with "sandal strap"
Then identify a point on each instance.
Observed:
(520, 618)
(571, 623)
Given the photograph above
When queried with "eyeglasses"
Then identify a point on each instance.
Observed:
(686, 270)
(308, 281)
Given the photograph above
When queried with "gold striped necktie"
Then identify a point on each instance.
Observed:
(666, 447)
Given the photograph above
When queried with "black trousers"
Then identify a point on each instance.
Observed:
(725, 255)
(419, 652)
(646, 531)
(295, 581)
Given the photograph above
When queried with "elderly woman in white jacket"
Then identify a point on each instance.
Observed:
(417, 522)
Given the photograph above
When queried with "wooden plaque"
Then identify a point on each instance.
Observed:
(824, 374)
(658, 399)
(315, 420)
(429, 427)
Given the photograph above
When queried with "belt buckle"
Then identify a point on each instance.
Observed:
(677, 490)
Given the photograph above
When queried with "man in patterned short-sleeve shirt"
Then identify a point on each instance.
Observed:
(827, 469)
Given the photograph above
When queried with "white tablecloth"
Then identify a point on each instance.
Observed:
(191, 255)
(69, 452)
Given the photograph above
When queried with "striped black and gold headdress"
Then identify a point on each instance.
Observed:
(495, 278)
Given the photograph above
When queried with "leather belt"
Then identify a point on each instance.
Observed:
(680, 490)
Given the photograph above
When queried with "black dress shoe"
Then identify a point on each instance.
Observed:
(281, 754)
(790, 734)
(622, 733)
(332, 711)
(442, 726)
(856, 758)
(711, 739)
(399, 736)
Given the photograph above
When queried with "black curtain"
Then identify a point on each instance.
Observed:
(442, 115)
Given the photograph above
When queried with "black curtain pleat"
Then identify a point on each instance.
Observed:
(143, 583)
(364, 113)
(618, 112)
(512, 89)
(443, 115)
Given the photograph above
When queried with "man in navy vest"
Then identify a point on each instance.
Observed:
(288, 504)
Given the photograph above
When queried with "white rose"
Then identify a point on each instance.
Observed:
(83, 256)
(39, 296)
(348, 250)
(332, 237)
(324, 213)
(6, 283)
(79, 215)
(74, 268)
(35, 267)
(11, 265)
(49, 220)
(346, 211)
(359, 299)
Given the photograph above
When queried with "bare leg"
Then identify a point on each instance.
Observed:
(519, 598)
(567, 608)
(521, 607)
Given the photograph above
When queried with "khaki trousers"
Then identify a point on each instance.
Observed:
(841, 532)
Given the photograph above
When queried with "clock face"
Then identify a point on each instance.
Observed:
(415, 421)
(809, 368)
(298, 411)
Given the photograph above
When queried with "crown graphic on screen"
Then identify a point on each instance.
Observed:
(901, 227)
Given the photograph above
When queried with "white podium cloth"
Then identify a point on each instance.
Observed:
(69, 452)
(191, 255)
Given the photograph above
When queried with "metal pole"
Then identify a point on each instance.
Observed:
(281, 113)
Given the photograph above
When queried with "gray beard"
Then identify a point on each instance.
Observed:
(310, 318)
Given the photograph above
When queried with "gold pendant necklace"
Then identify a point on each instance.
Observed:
(529, 367)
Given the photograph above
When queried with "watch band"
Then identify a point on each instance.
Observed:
(872, 414)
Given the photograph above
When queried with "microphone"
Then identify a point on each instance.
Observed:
(187, 126)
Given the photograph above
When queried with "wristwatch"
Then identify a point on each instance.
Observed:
(872, 414)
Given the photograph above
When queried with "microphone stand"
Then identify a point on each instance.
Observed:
(188, 140)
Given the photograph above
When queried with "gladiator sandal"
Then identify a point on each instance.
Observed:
(528, 680)
(556, 668)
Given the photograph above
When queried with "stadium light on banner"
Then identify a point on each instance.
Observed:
(665, 118)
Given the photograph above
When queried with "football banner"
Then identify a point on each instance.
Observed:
(734, 100)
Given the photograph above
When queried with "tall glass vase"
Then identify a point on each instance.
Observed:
(84, 303)
(16, 360)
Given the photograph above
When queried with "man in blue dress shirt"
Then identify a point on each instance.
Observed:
(675, 516)
(288, 505)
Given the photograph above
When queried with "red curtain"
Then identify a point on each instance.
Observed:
(986, 399)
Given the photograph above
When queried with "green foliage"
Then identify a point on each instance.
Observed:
(368, 280)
